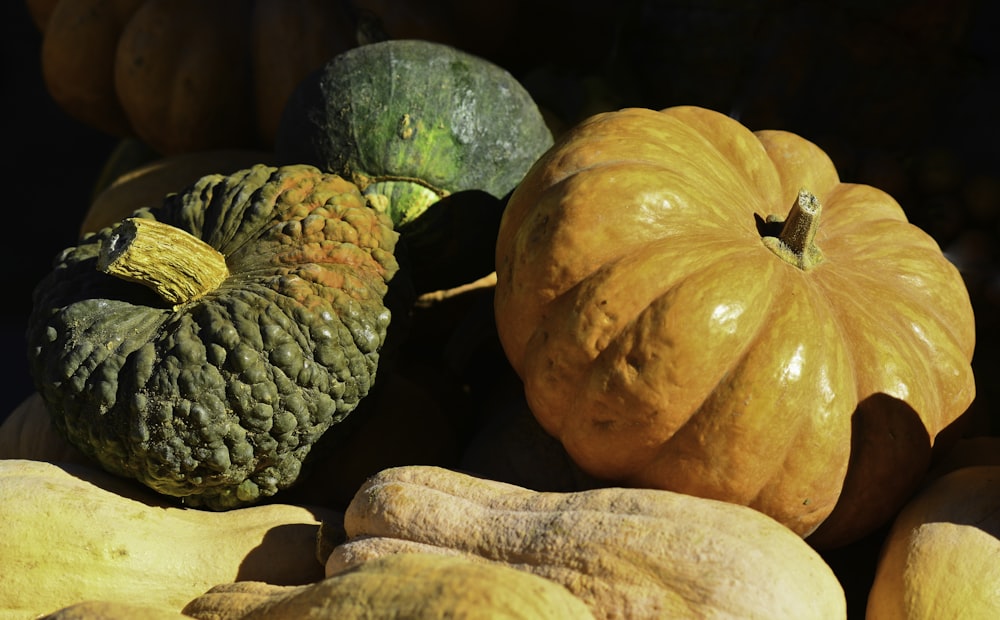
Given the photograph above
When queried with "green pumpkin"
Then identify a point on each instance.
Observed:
(412, 122)
(204, 346)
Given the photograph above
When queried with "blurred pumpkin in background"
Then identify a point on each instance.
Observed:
(179, 74)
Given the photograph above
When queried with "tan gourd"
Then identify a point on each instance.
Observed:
(147, 184)
(628, 553)
(941, 558)
(27, 433)
(410, 585)
(73, 534)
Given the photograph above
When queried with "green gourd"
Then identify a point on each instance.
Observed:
(202, 347)
(433, 135)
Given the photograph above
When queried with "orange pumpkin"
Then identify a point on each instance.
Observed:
(185, 75)
(673, 334)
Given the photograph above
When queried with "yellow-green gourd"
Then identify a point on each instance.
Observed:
(73, 534)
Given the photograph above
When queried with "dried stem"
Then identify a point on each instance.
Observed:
(796, 243)
(177, 265)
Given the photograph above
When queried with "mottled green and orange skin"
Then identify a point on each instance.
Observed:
(220, 399)
(434, 136)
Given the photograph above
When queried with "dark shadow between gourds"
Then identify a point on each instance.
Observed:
(891, 452)
(258, 565)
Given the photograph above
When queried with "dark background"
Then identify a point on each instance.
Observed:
(53, 162)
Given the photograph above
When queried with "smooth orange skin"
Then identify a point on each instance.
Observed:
(667, 347)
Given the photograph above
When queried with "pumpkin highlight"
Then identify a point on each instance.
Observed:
(674, 329)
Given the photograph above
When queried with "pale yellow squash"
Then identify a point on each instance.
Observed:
(72, 534)
(148, 184)
(105, 610)
(941, 558)
(411, 586)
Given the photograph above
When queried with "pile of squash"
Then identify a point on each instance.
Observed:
(394, 344)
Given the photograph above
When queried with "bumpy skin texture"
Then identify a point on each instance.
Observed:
(663, 342)
(219, 400)
(433, 135)
(627, 553)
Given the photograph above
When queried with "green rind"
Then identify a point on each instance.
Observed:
(219, 401)
(404, 201)
(408, 109)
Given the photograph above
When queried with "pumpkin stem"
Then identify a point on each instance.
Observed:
(178, 266)
(796, 242)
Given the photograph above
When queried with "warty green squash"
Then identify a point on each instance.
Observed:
(204, 346)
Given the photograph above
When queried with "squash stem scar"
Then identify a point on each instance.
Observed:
(177, 265)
